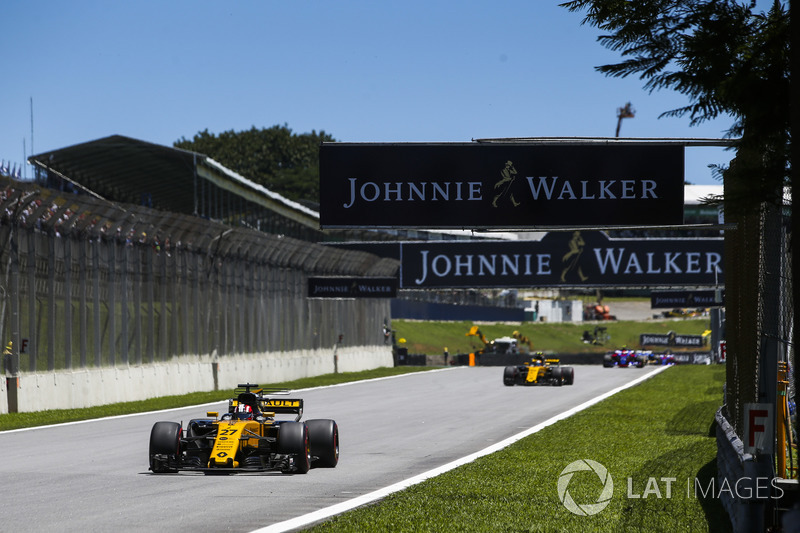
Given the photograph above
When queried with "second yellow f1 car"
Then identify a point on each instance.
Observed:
(540, 371)
(246, 438)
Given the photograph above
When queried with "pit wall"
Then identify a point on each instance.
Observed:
(100, 386)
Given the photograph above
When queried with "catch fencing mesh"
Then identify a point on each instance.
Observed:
(89, 283)
(759, 315)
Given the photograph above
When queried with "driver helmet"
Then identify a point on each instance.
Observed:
(244, 411)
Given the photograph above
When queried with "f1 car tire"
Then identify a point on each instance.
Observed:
(557, 376)
(569, 375)
(608, 362)
(323, 437)
(293, 440)
(641, 361)
(510, 375)
(165, 439)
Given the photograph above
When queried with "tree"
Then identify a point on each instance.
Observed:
(728, 59)
(276, 158)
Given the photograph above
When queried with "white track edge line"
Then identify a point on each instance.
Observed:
(328, 512)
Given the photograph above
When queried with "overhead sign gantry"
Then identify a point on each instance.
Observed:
(501, 185)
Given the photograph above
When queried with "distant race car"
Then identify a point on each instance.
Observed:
(638, 358)
(685, 313)
(624, 358)
(660, 358)
(247, 438)
(540, 371)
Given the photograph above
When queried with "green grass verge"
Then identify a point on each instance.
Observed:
(662, 428)
(57, 416)
(432, 337)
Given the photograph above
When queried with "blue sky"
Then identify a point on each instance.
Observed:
(362, 71)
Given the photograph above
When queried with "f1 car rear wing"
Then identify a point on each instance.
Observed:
(284, 406)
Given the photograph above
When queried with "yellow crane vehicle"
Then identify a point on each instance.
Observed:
(539, 371)
(501, 345)
(523, 341)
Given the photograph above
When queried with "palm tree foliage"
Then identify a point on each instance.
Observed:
(726, 57)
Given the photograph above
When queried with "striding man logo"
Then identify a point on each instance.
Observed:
(572, 259)
(503, 185)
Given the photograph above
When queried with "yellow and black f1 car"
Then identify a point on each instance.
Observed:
(247, 438)
(540, 371)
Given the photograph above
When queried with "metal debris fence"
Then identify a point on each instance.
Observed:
(89, 283)
(760, 314)
(759, 308)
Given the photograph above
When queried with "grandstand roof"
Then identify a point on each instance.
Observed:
(128, 170)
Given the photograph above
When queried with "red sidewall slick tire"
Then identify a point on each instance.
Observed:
(293, 440)
(165, 439)
(323, 438)
(558, 376)
(510, 376)
(569, 375)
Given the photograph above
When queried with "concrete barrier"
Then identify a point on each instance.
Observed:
(287, 366)
(90, 387)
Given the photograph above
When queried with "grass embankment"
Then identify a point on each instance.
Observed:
(58, 416)
(660, 430)
(432, 337)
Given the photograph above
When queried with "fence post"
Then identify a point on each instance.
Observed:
(66, 241)
(31, 332)
(12, 382)
(336, 354)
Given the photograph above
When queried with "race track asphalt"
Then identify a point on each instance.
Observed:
(93, 476)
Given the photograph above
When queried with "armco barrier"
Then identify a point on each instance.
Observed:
(90, 387)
